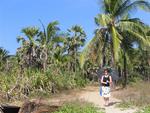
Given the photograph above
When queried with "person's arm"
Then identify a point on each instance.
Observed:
(110, 80)
(103, 81)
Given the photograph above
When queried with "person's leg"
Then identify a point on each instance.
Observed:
(105, 101)
(108, 95)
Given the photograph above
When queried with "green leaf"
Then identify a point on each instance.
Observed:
(116, 42)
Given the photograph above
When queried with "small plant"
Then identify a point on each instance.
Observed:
(125, 105)
(144, 110)
(79, 107)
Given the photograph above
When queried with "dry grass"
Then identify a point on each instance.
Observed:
(137, 94)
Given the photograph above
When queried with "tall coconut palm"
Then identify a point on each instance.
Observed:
(125, 56)
(127, 47)
(143, 66)
(116, 20)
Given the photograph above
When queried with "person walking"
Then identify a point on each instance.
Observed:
(106, 81)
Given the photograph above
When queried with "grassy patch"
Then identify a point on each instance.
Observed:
(124, 105)
(144, 110)
(79, 107)
(135, 95)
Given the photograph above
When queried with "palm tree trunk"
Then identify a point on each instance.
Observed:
(104, 52)
(44, 57)
(119, 71)
(112, 55)
(45, 61)
(125, 70)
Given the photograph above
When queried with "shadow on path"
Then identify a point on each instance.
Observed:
(112, 103)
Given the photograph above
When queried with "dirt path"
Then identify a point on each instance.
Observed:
(90, 94)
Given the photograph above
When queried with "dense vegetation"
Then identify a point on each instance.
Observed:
(46, 62)
(49, 60)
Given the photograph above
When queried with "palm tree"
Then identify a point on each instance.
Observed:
(127, 49)
(115, 21)
(75, 40)
(126, 56)
(3, 57)
(28, 50)
(47, 39)
(142, 65)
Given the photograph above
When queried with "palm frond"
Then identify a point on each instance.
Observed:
(133, 24)
(85, 51)
(59, 39)
(106, 5)
(118, 5)
(31, 33)
(52, 28)
(116, 43)
(120, 8)
(20, 38)
(139, 37)
(103, 19)
(3, 54)
(144, 5)
(43, 34)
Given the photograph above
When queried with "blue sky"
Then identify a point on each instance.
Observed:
(17, 14)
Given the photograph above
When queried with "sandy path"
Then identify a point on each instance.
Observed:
(89, 94)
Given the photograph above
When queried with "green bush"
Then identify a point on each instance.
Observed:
(80, 80)
(134, 78)
(66, 79)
